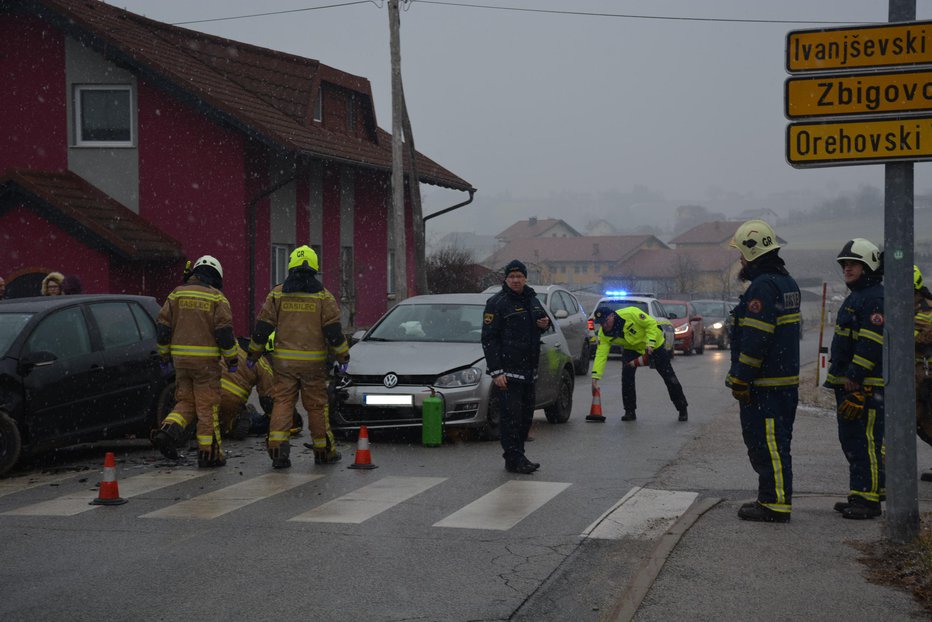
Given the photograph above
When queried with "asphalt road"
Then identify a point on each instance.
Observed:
(431, 534)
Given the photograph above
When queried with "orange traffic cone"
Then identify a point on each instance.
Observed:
(363, 457)
(595, 412)
(109, 492)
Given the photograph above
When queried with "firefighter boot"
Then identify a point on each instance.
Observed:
(861, 510)
(281, 456)
(927, 476)
(241, 426)
(211, 458)
(168, 438)
(684, 415)
(759, 513)
(327, 455)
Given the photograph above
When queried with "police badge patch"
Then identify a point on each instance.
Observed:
(487, 318)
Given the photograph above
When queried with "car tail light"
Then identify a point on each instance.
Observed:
(591, 324)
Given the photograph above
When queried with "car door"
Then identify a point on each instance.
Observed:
(552, 354)
(576, 326)
(560, 313)
(61, 393)
(127, 335)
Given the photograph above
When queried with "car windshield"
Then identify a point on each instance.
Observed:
(11, 324)
(710, 309)
(458, 323)
(678, 309)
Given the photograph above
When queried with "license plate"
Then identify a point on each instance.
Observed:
(388, 400)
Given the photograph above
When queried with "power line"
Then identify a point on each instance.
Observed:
(633, 16)
(310, 8)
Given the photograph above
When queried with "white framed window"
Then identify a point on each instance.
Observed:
(320, 257)
(319, 105)
(103, 115)
(280, 256)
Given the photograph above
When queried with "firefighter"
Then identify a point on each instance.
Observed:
(764, 373)
(637, 333)
(236, 387)
(923, 334)
(306, 321)
(856, 375)
(195, 329)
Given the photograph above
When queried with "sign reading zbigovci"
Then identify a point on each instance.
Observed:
(876, 113)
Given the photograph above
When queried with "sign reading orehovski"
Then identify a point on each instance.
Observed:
(859, 142)
(886, 45)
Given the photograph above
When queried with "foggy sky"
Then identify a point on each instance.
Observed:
(541, 111)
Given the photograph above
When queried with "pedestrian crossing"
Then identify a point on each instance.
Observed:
(641, 513)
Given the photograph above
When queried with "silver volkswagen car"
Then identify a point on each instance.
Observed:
(431, 345)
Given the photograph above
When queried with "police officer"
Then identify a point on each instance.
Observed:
(195, 328)
(856, 375)
(306, 321)
(764, 373)
(923, 334)
(637, 333)
(511, 327)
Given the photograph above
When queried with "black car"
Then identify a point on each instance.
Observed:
(76, 369)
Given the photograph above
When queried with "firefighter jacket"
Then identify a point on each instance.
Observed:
(195, 326)
(765, 330)
(510, 336)
(640, 330)
(306, 325)
(922, 332)
(857, 346)
(241, 382)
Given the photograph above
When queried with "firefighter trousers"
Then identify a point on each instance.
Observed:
(862, 441)
(197, 396)
(311, 385)
(767, 428)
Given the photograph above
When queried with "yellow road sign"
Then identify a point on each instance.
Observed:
(883, 45)
(861, 93)
(859, 142)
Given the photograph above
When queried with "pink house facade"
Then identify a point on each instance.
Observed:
(131, 146)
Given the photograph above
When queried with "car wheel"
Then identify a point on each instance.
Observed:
(163, 405)
(700, 347)
(581, 367)
(11, 443)
(492, 430)
(559, 411)
(688, 349)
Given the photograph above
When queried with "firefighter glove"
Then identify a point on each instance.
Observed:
(852, 407)
(232, 365)
(741, 391)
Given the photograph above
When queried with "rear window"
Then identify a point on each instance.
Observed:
(11, 325)
(614, 305)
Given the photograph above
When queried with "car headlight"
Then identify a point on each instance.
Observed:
(679, 330)
(717, 325)
(461, 378)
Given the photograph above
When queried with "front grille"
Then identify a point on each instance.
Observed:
(402, 380)
(361, 414)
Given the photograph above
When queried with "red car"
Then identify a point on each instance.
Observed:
(687, 326)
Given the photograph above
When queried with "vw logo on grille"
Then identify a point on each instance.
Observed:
(390, 380)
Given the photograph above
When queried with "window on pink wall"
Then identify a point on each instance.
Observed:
(103, 115)
(280, 256)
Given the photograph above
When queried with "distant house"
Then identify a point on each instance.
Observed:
(537, 228)
(130, 145)
(601, 227)
(572, 261)
(694, 272)
(717, 233)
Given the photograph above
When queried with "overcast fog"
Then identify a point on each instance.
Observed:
(621, 115)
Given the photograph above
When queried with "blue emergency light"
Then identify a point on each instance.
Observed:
(616, 292)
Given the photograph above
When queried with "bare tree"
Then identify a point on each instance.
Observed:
(451, 269)
(685, 274)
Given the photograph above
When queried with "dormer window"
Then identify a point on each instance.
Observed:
(103, 115)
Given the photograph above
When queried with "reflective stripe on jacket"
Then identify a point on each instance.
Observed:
(299, 319)
(192, 315)
(857, 346)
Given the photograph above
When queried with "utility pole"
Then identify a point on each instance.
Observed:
(417, 214)
(396, 238)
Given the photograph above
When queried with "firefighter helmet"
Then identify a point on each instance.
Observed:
(861, 250)
(917, 278)
(210, 262)
(754, 238)
(303, 256)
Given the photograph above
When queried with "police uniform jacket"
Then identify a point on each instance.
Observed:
(195, 326)
(510, 336)
(306, 324)
(640, 331)
(857, 346)
(765, 332)
(240, 382)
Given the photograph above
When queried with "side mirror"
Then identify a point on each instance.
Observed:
(561, 314)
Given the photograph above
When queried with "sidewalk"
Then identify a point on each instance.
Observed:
(724, 568)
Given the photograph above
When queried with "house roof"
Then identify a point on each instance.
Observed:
(91, 215)
(666, 262)
(715, 232)
(602, 248)
(531, 228)
(265, 93)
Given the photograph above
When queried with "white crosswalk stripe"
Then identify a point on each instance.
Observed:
(19, 484)
(369, 501)
(71, 504)
(504, 507)
(643, 513)
(220, 502)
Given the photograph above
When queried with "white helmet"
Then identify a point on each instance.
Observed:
(754, 238)
(861, 250)
(210, 262)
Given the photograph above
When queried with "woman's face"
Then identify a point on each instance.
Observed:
(53, 288)
(852, 270)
